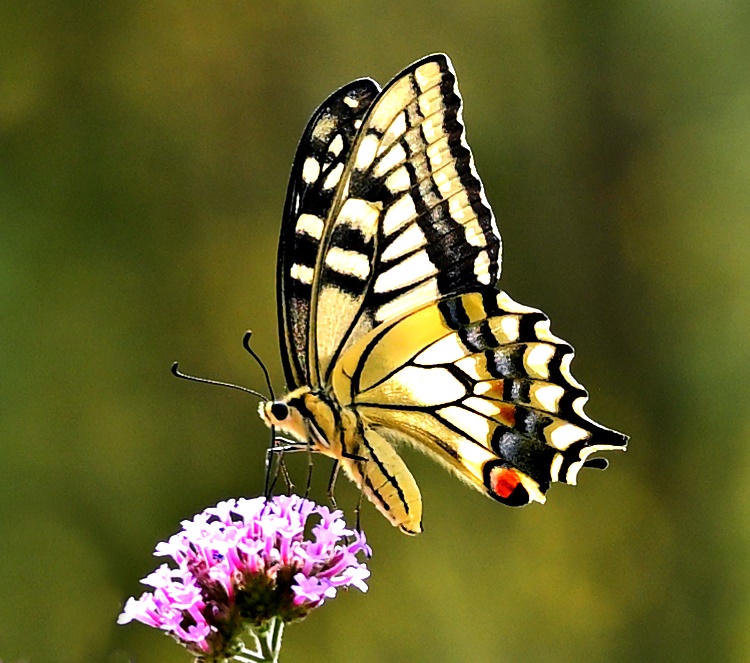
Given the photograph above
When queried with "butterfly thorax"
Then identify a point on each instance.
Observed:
(321, 423)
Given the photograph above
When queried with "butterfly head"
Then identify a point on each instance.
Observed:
(288, 414)
(310, 416)
(280, 415)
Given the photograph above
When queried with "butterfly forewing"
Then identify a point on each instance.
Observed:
(410, 222)
(321, 157)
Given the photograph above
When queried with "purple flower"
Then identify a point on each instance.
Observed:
(243, 564)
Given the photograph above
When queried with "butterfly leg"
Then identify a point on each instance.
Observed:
(332, 483)
(280, 467)
(309, 470)
(287, 446)
(267, 483)
(358, 511)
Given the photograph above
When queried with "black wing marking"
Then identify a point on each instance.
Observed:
(410, 223)
(479, 381)
(323, 150)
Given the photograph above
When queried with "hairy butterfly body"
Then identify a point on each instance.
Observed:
(391, 326)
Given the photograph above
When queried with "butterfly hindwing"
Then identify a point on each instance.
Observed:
(479, 381)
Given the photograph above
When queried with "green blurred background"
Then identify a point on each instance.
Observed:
(144, 155)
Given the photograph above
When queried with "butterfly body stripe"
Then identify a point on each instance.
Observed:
(321, 424)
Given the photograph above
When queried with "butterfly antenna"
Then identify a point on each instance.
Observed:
(246, 344)
(269, 483)
(179, 374)
(281, 468)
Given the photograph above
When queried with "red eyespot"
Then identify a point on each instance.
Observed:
(504, 481)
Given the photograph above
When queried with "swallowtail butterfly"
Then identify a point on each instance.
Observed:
(392, 329)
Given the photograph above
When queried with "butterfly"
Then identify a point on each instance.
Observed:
(392, 328)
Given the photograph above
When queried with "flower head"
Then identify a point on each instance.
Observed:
(244, 563)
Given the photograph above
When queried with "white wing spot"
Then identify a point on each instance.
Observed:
(565, 370)
(426, 105)
(481, 267)
(366, 152)
(301, 273)
(398, 214)
(412, 238)
(352, 102)
(332, 179)
(511, 305)
(578, 405)
(390, 104)
(472, 230)
(351, 263)
(537, 359)
(475, 368)
(323, 128)
(337, 144)
(398, 180)
(439, 153)
(473, 425)
(556, 466)
(548, 396)
(310, 170)
(482, 405)
(360, 214)
(426, 386)
(541, 329)
(458, 207)
(432, 127)
(509, 327)
(412, 269)
(563, 435)
(309, 224)
(481, 388)
(427, 75)
(444, 351)
(426, 292)
(397, 128)
(393, 158)
(447, 181)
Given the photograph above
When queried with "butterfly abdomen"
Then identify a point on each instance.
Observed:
(318, 420)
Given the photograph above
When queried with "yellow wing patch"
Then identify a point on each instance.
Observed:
(470, 380)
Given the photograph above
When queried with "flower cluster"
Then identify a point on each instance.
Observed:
(244, 564)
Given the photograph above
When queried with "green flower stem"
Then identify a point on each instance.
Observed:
(267, 643)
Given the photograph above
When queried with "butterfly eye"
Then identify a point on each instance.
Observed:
(279, 410)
